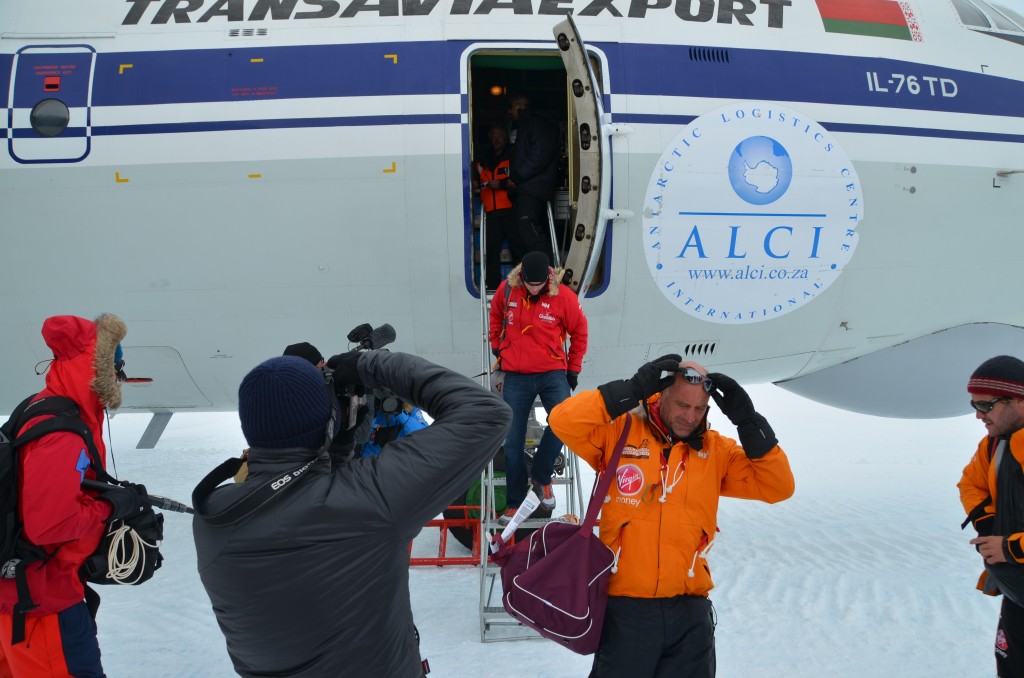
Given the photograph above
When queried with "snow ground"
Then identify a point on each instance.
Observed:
(863, 572)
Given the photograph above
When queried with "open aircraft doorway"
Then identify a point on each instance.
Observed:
(496, 77)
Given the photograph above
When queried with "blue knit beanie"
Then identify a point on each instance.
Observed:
(283, 402)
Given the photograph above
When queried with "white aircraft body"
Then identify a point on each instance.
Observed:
(823, 194)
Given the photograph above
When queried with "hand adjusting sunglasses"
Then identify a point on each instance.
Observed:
(985, 406)
(694, 377)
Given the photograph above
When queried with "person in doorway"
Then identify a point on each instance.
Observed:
(660, 515)
(992, 493)
(531, 317)
(492, 173)
(534, 174)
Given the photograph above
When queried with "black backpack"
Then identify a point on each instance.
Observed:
(15, 552)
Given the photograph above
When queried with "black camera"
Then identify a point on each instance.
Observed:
(350, 396)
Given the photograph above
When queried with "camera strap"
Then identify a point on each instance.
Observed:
(259, 497)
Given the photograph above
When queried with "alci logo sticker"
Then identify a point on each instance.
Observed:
(750, 213)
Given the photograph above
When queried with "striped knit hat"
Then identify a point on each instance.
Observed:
(1002, 376)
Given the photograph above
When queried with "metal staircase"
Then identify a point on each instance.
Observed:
(495, 623)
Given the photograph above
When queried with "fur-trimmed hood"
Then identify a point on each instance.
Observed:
(515, 279)
(83, 359)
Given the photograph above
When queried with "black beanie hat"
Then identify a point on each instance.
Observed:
(305, 350)
(283, 402)
(1002, 377)
(535, 267)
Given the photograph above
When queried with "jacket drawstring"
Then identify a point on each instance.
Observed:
(677, 475)
(701, 552)
(615, 561)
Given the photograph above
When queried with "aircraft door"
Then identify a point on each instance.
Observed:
(590, 192)
(48, 108)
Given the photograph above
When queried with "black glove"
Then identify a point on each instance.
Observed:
(755, 434)
(344, 442)
(622, 396)
(496, 352)
(344, 367)
(733, 399)
(574, 380)
(125, 502)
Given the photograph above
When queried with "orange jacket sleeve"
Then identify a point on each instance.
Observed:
(582, 423)
(769, 479)
(975, 489)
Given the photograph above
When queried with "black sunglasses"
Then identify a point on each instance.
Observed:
(119, 370)
(985, 406)
(694, 377)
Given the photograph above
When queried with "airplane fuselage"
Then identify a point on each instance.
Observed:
(234, 176)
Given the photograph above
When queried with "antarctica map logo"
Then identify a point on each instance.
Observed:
(750, 213)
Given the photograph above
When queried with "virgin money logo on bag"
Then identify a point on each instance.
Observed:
(629, 479)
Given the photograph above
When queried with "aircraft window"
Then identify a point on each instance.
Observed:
(1004, 22)
(970, 15)
(980, 14)
(50, 117)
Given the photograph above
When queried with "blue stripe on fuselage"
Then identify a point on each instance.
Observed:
(422, 68)
(345, 70)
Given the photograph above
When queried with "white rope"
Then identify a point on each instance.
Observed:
(126, 555)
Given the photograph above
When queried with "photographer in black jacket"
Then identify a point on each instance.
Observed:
(313, 581)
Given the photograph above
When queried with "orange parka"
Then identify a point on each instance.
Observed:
(978, 493)
(659, 542)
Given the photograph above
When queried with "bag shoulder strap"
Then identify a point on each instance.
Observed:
(258, 498)
(605, 481)
(65, 417)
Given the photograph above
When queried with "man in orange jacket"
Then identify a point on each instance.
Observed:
(992, 492)
(660, 515)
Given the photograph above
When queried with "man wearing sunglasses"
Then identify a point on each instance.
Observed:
(660, 515)
(992, 492)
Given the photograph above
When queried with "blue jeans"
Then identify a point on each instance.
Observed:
(520, 392)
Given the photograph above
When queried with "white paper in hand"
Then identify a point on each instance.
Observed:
(525, 510)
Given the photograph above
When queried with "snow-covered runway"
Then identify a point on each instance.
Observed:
(864, 572)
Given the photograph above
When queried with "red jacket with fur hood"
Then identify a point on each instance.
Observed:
(56, 513)
(529, 334)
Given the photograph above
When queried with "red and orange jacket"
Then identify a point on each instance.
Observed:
(661, 513)
(978, 493)
(530, 335)
(57, 515)
(496, 169)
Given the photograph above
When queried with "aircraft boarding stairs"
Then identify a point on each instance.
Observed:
(495, 623)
